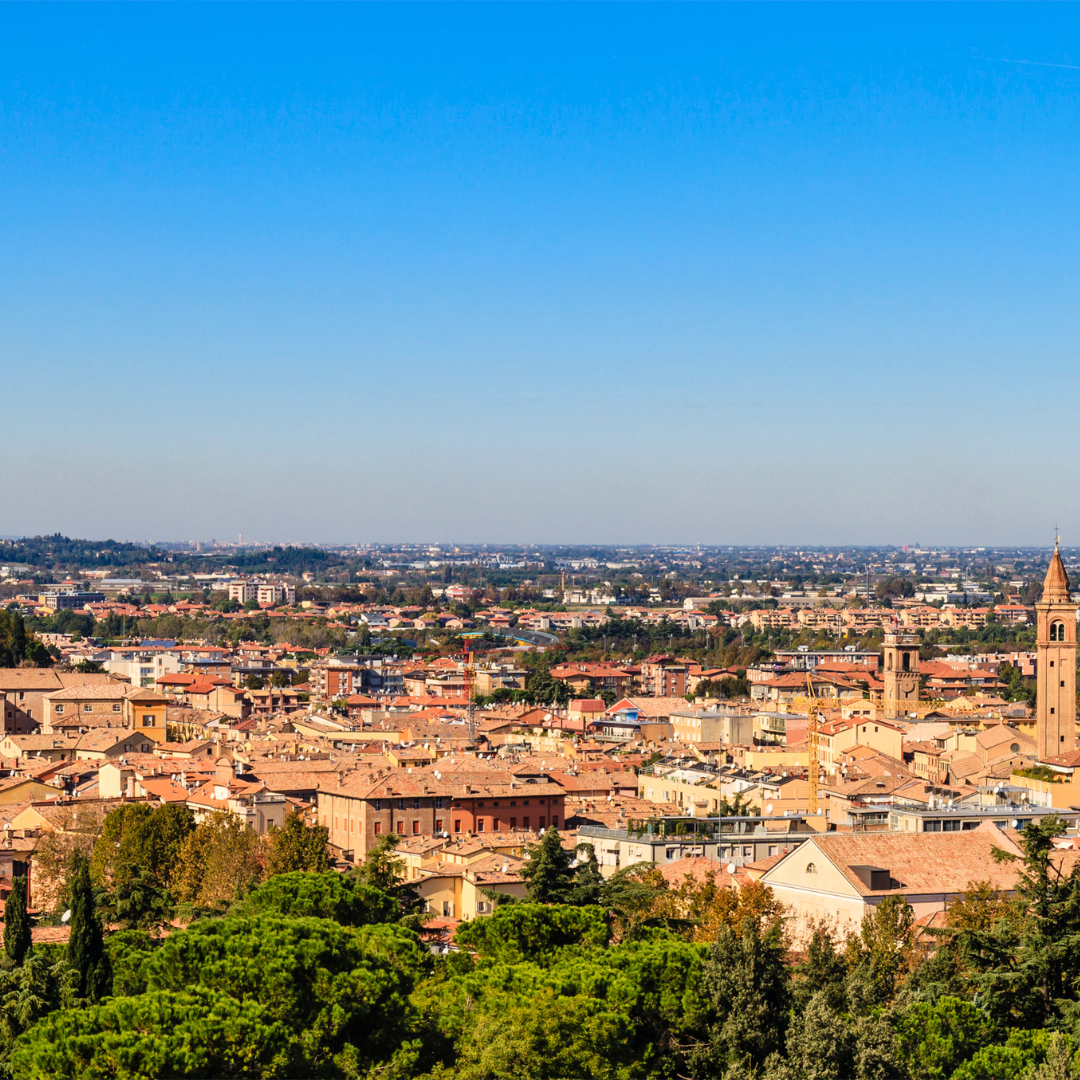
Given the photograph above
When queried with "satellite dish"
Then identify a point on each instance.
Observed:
(66, 916)
(768, 808)
(731, 868)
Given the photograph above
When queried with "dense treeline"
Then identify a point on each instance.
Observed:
(47, 552)
(313, 973)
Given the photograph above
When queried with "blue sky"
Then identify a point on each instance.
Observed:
(602, 273)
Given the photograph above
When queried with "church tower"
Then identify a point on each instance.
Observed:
(1055, 709)
(901, 674)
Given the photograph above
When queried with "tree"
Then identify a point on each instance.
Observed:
(343, 898)
(17, 922)
(746, 980)
(194, 1033)
(547, 871)
(537, 932)
(220, 861)
(383, 871)
(86, 950)
(548, 1037)
(139, 902)
(882, 953)
(297, 846)
(344, 991)
(588, 881)
(137, 839)
(935, 1039)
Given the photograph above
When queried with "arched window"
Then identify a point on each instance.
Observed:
(888, 661)
(811, 868)
(1057, 631)
(907, 661)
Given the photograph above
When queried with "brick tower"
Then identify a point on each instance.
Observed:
(1055, 708)
(901, 674)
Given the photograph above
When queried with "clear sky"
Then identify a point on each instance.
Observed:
(603, 273)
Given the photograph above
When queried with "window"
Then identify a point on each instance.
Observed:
(148, 720)
(378, 804)
(1014, 748)
(525, 803)
(416, 804)
(554, 821)
(1057, 631)
(513, 823)
(513, 802)
(543, 822)
(457, 824)
(401, 804)
(115, 708)
(401, 827)
(811, 868)
(481, 907)
(525, 821)
(438, 803)
(448, 909)
(438, 824)
(416, 828)
(1051, 710)
(88, 708)
(480, 824)
(59, 708)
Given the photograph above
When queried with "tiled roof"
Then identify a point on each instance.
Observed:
(922, 863)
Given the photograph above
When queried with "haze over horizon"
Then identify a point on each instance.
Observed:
(541, 274)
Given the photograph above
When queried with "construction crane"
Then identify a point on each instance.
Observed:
(469, 706)
(812, 706)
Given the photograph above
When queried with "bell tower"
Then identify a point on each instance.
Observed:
(901, 674)
(1055, 708)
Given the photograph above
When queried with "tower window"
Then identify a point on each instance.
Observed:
(1057, 631)
(907, 661)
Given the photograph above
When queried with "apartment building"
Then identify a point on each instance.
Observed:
(424, 802)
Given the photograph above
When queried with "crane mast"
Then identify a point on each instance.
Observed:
(812, 744)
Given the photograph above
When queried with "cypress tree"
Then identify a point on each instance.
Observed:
(17, 922)
(86, 947)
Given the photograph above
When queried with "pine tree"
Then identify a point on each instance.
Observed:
(17, 922)
(86, 947)
(551, 881)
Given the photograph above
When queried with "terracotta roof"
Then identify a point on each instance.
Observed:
(921, 863)
(699, 870)
(93, 692)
